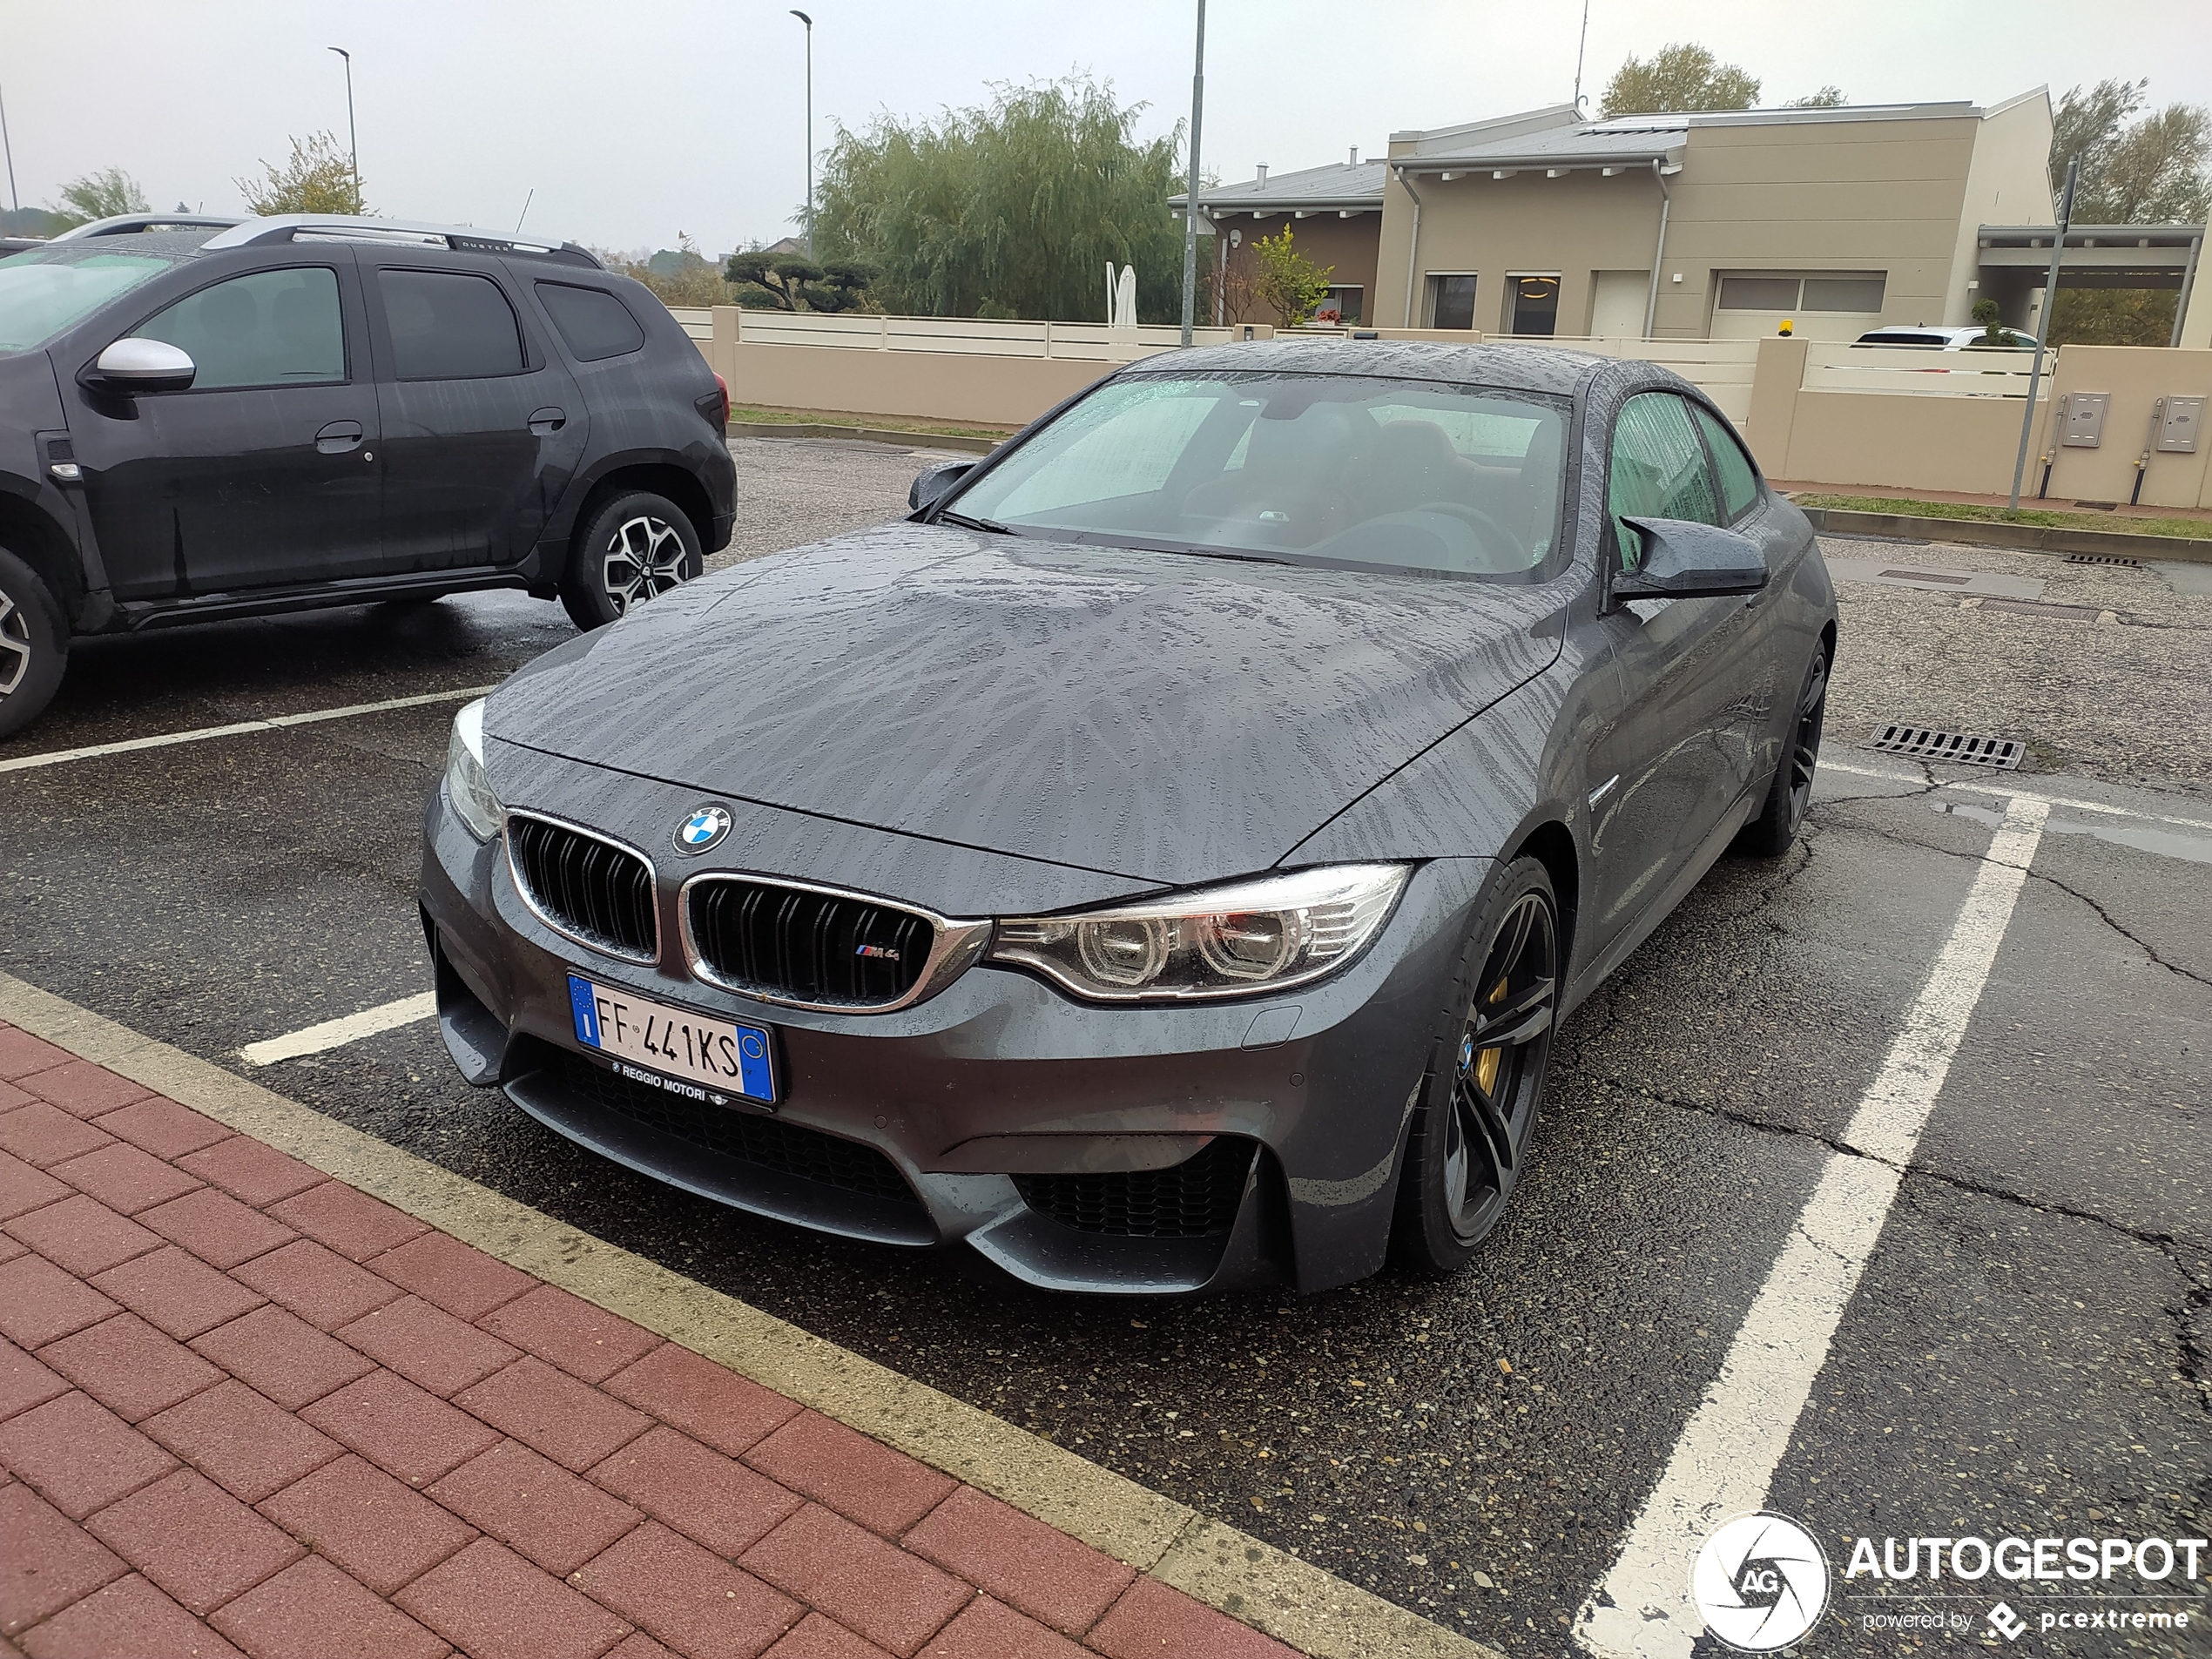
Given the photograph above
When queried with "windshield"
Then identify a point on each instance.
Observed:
(46, 290)
(1334, 470)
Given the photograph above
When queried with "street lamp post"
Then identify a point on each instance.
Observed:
(809, 22)
(1190, 184)
(353, 140)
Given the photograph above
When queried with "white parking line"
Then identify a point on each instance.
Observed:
(1727, 1455)
(336, 1034)
(2011, 791)
(274, 723)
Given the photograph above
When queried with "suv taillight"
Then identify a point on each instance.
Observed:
(715, 407)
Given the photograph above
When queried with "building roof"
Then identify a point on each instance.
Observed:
(1341, 184)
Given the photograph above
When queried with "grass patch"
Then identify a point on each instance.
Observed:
(876, 422)
(2188, 529)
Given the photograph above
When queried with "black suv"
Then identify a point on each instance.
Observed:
(219, 418)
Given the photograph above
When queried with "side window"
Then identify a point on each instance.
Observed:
(271, 328)
(450, 325)
(1658, 469)
(593, 322)
(1739, 483)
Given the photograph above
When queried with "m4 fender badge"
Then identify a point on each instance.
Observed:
(703, 829)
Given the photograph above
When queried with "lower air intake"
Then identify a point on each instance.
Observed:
(1197, 1198)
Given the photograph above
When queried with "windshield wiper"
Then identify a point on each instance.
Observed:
(991, 525)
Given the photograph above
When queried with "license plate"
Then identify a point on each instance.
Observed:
(673, 1049)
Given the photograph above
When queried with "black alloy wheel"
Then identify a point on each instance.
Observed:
(34, 645)
(635, 548)
(1773, 832)
(1465, 1149)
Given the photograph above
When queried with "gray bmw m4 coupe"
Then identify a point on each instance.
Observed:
(1162, 861)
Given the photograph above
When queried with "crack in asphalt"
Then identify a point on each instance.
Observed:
(2102, 914)
(2193, 1363)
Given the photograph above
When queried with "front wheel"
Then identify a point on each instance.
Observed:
(638, 546)
(1485, 1077)
(34, 645)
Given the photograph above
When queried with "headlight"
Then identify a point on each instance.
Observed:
(467, 788)
(1244, 939)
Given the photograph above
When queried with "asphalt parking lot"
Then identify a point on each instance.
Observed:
(2027, 1352)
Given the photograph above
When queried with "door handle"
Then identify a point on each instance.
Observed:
(338, 437)
(546, 420)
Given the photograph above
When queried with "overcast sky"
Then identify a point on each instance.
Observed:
(633, 123)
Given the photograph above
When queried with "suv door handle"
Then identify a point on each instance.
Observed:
(546, 420)
(338, 437)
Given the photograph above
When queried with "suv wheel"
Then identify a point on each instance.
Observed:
(34, 645)
(636, 546)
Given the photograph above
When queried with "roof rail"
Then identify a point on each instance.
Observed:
(131, 224)
(347, 227)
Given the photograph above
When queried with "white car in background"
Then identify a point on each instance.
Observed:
(1942, 338)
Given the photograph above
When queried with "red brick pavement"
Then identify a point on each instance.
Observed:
(248, 1410)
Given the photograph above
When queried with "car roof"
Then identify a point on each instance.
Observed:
(1506, 368)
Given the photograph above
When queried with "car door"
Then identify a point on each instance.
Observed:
(264, 473)
(1676, 759)
(1774, 658)
(483, 428)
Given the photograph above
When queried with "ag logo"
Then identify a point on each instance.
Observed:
(1760, 1582)
(703, 829)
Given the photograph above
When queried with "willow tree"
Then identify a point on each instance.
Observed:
(1011, 210)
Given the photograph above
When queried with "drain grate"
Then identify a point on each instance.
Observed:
(2041, 607)
(2123, 562)
(1925, 575)
(1953, 748)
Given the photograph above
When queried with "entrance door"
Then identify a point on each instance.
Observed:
(265, 473)
(1535, 304)
(1616, 304)
(483, 428)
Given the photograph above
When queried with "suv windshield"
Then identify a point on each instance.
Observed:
(46, 290)
(1304, 469)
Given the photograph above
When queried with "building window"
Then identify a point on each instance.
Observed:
(1855, 291)
(1341, 304)
(1451, 301)
(1535, 302)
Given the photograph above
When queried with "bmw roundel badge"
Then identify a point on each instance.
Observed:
(703, 829)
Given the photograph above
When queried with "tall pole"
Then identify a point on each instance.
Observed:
(2043, 326)
(1190, 184)
(1579, 52)
(353, 138)
(809, 22)
(16, 201)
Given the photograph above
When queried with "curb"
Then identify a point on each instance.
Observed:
(1228, 1570)
(866, 434)
(2034, 538)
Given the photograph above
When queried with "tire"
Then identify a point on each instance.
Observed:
(1470, 1134)
(33, 646)
(1772, 833)
(637, 545)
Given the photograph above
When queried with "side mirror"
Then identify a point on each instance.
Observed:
(135, 364)
(935, 482)
(1686, 560)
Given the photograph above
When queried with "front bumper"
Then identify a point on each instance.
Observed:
(927, 1126)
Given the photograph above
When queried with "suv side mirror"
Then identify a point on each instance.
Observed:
(934, 483)
(135, 365)
(1686, 560)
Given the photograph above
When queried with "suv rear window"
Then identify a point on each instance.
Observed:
(450, 325)
(593, 321)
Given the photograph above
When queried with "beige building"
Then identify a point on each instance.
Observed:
(1690, 226)
(1839, 219)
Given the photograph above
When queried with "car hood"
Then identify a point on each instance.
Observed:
(1163, 717)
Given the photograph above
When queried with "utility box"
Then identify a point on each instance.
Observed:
(2083, 419)
(2184, 419)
